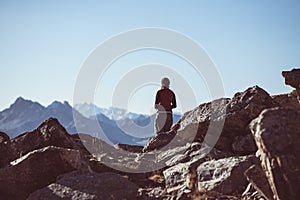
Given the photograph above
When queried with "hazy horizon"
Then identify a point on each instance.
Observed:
(73, 106)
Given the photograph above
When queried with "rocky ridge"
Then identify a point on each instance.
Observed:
(255, 157)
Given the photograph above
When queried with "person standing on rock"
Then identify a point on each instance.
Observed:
(165, 101)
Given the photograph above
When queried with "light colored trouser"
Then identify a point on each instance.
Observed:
(163, 122)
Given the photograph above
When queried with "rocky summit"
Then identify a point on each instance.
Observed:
(244, 147)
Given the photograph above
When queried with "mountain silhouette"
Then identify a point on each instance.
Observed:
(129, 128)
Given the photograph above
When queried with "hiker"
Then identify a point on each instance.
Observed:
(165, 101)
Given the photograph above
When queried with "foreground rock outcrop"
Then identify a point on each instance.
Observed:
(224, 176)
(256, 156)
(37, 169)
(94, 186)
(277, 135)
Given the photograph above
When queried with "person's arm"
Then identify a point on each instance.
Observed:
(156, 104)
(174, 105)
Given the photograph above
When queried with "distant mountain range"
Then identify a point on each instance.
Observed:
(118, 125)
(88, 110)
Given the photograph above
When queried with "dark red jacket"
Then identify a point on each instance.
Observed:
(165, 99)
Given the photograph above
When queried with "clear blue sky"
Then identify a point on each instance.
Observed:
(44, 43)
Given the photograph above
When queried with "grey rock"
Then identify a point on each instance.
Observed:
(190, 153)
(224, 175)
(159, 141)
(244, 107)
(49, 133)
(276, 133)
(176, 176)
(229, 117)
(175, 155)
(237, 113)
(38, 169)
(81, 186)
(182, 176)
(156, 193)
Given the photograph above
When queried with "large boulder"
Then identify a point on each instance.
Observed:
(276, 133)
(49, 133)
(38, 169)
(181, 174)
(189, 154)
(224, 175)
(236, 114)
(95, 186)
